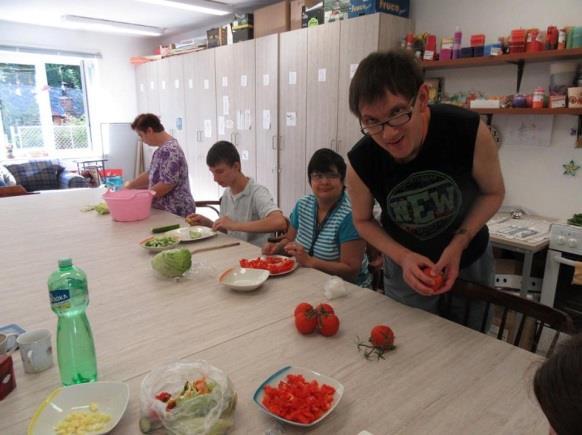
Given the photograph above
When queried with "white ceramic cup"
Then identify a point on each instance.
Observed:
(36, 350)
(7, 342)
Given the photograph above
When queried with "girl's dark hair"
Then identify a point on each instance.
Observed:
(222, 152)
(147, 120)
(558, 387)
(325, 160)
(396, 71)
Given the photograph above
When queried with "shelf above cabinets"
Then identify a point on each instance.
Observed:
(560, 111)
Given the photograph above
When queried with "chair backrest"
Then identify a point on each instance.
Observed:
(17, 190)
(214, 205)
(542, 315)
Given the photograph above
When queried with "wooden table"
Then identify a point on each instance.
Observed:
(441, 379)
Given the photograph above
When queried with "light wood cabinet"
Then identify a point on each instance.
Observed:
(152, 88)
(141, 88)
(171, 80)
(235, 100)
(200, 110)
(292, 117)
(323, 54)
(266, 111)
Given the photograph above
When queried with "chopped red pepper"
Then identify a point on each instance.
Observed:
(163, 396)
(297, 400)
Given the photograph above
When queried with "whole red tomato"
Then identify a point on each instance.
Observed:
(382, 337)
(328, 324)
(306, 321)
(438, 280)
(325, 309)
(303, 307)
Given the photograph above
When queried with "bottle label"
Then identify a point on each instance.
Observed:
(60, 298)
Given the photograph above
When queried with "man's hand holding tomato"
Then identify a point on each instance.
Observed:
(412, 265)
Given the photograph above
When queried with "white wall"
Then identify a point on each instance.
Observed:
(533, 174)
(115, 98)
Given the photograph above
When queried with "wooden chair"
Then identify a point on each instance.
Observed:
(542, 315)
(214, 205)
(17, 190)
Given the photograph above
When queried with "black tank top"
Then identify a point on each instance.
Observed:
(425, 201)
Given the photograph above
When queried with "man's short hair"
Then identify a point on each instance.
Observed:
(222, 152)
(325, 160)
(396, 71)
(147, 120)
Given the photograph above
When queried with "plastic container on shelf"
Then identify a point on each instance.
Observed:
(538, 98)
(129, 204)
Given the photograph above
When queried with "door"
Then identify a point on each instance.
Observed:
(141, 85)
(292, 117)
(322, 87)
(171, 78)
(200, 112)
(152, 94)
(266, 114)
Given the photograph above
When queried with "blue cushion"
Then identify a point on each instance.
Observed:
(37, 174)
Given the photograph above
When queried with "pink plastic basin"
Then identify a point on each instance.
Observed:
(129, 204)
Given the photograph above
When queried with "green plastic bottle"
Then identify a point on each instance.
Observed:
(75, 348)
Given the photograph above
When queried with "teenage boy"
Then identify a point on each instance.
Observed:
(247, 209)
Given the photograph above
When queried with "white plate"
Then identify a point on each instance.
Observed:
(241, 279)
(160, 248)
(185, 233)
(309, 375)
(111, 398)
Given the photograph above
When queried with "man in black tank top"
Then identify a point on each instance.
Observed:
(435, 172)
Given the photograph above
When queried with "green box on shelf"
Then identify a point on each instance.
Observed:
(400, 8)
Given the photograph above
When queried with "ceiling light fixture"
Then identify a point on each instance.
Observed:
(202, 6)
(100, 25)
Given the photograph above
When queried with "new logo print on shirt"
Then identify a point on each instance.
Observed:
(424, 204)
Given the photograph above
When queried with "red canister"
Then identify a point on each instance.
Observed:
(7, 381)
(552, 38)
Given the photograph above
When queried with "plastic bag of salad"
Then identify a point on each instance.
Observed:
(190, 398)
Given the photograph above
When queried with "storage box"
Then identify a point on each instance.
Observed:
(575, 97)
(271, 19)
(400, 8)
(242, 27)
(312, 15)
(7, 381)
(296, 13)
(336, 10)
(216, 37)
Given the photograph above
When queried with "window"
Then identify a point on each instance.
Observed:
(43, 107)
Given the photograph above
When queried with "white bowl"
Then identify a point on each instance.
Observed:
(110, 397)
(241, 279)
(309, 375)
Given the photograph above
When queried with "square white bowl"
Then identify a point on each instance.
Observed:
(111, 398)
(242, 279)
(309, 375)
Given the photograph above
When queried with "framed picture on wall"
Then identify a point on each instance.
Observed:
(435, 89)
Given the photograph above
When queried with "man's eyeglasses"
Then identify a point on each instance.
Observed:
(395, 121)
(319, 176)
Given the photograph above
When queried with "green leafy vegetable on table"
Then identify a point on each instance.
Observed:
(172, 263)
(576, 220)
(100, 208)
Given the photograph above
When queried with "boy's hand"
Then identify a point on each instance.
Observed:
(224, 224)
(198, 219)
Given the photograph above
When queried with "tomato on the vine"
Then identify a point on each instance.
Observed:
(306, 321)
(325, 309)
(328, 324)
(438, 280)
(302, 307)
(382, 336)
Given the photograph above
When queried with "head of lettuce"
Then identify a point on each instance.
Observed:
(172, 263)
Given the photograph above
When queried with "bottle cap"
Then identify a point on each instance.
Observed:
(65, 262)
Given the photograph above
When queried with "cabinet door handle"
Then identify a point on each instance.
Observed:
(332, 144)
(274, 142)
(198, 135)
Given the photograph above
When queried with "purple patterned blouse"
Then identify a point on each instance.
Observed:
(169, 166)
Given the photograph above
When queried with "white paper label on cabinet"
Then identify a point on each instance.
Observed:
(266, 79)
(243, 81)
(239, 120)
(225, 105)
(221, 125)
(177, 83)
(353, 68)
(163, 85)
(207, 128)
(141, 87)
(291, 119)
(229, 124)
(244, 155)
(190, 83)
(225, 82)
(266, 119)
(152, 85)
(206, 84)
(321, 74)
(247, 124)
(292, 77)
